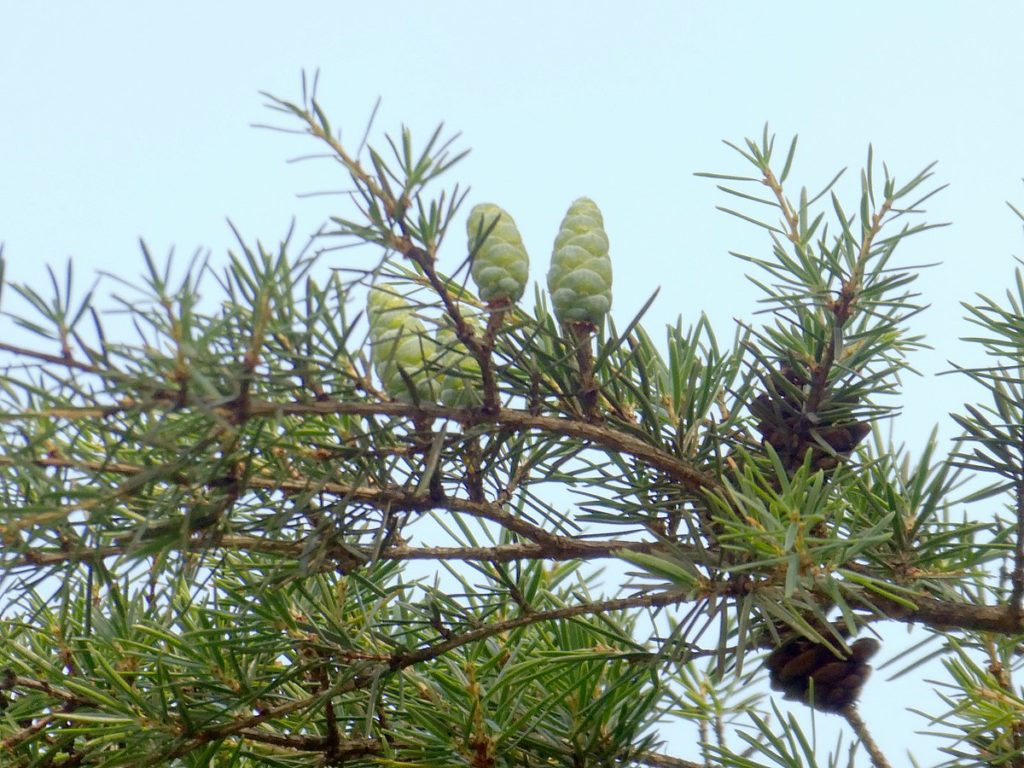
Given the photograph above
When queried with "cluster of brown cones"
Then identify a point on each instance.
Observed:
(792, 428)
(810, 672)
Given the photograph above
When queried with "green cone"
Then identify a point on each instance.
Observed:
(580, 277)
(502, 266)
(460, 372)
(386, 309)
(399, 343)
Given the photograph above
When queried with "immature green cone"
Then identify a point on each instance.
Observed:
(580, 277)
(502, 266)
(460, 372)
(386, 309)
(399, 343)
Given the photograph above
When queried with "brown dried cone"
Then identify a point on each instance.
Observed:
(787, 423)
(810, 672)
(795, 426)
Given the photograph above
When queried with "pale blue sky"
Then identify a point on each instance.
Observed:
(121, 120)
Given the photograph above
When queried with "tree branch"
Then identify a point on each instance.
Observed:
(598, 435)
(563, 549)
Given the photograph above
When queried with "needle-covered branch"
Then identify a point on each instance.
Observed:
(315, 507)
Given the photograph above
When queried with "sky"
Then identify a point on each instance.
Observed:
(125, 120)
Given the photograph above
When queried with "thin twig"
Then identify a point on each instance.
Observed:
(852, 716)
(1017, 576)
(582, 335)
(657, 760)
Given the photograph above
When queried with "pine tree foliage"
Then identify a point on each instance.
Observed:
(247, 523)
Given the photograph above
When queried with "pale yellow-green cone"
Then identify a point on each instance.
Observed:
(502, 266)
(399, 342)
(580, 276)
(460, 372)
(386, 309)
(406, 349)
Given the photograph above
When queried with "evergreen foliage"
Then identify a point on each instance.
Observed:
(247, 523)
